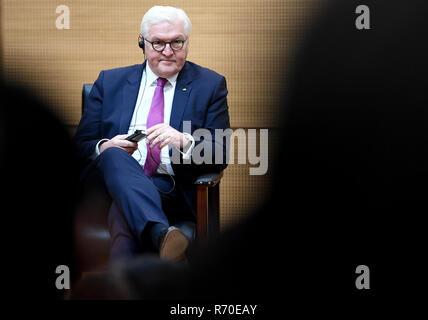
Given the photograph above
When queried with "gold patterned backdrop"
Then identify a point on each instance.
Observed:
(248, 41)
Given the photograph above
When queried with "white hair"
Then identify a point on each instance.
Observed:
(159, 14)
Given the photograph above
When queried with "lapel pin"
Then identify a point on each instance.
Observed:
(184, 89)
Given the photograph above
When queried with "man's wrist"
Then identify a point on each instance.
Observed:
(188, 148)
(187, 142)
(98, 148)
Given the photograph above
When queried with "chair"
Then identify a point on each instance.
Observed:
(91, 236)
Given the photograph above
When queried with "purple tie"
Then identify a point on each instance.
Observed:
(155, 116)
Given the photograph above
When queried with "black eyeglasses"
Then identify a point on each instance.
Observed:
(159, 45)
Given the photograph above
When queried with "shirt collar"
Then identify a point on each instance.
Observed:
(152, 77)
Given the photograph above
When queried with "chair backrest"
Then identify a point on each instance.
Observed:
(87, 87)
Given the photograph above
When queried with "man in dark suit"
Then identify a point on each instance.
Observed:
(169, 98)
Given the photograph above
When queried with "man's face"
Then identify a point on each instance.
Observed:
(168, 62)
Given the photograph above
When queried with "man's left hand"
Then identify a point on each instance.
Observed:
(165, 135)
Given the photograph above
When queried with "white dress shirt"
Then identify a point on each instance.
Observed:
(139, 118)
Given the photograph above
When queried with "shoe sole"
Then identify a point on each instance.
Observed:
(174, 246)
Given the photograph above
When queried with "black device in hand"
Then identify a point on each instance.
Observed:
(136, 136)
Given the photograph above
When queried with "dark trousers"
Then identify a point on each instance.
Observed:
(136, 201)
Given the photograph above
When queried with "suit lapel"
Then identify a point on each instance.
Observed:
(181, 96)
(129, 97)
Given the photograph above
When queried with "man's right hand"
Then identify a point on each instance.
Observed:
(119, 141)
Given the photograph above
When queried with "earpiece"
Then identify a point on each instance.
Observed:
(141, 45)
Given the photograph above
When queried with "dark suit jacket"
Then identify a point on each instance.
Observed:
(111, 105)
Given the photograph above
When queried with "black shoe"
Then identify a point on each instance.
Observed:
(173, 244)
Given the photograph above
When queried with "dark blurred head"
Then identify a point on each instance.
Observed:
(39, 178)
(352, 173)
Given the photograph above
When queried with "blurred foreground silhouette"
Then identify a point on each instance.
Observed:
(39, 175)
